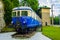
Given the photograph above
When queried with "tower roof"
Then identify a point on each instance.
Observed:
(44, 7)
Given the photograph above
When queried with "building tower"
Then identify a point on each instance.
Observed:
(45, 15)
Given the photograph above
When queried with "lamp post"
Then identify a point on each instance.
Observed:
(59, 19)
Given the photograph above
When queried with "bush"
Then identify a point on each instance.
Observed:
(6, 29)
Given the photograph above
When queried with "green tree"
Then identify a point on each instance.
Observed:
(56, 20)
(8, 6)
(31, 3)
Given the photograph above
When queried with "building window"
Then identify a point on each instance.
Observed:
(0, 10)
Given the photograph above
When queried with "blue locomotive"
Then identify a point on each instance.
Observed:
(25, 20)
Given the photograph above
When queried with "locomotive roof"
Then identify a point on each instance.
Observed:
(22, 8)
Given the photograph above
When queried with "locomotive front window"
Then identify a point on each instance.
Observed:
(18, 14)
(24, 13)
(14, 14)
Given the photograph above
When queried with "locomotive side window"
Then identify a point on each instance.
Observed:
(18, 14)
(14, 14)
(24, 13)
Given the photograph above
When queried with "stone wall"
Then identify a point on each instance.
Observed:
(2, 23)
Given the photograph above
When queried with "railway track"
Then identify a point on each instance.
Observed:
(27, 35)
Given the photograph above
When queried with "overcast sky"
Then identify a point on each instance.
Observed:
(48, 3)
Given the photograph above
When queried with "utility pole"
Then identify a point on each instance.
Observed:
(52, 13)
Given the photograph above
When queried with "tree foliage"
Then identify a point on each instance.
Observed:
(8, 6)
(55, 20)
(31, 3)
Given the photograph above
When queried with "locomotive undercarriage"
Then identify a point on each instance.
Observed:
(24, 30)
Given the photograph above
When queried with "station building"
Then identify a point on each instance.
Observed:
(44, 13)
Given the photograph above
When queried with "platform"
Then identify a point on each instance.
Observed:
(36, 36)
(26, 35)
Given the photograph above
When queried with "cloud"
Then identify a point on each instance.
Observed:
(56, 6)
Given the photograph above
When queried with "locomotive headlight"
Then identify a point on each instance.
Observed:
(24, 22)
(11, 22)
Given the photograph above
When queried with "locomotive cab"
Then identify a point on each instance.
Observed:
(18, 13)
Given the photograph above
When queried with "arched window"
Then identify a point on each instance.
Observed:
(46, 23)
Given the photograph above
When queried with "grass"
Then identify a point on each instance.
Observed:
(51, 32)
(6, 29)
